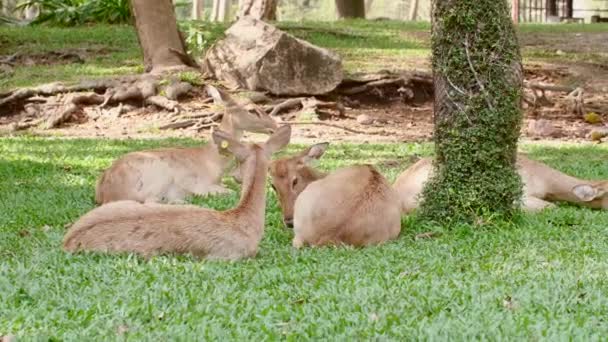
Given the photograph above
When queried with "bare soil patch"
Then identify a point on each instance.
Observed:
(393, 118)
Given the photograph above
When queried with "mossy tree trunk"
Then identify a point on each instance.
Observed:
(478, 80)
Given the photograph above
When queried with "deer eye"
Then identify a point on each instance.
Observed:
(295, 182)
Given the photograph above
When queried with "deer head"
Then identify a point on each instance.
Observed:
(291, 175)
(238, 119)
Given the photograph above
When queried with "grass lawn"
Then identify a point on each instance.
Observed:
(365, 45)
(543, 278)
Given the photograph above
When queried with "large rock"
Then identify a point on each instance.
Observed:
(257, 56)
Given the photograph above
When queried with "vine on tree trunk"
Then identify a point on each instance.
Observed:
(478, 92)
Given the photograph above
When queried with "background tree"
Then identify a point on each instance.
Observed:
(159, 38)
(478, 78)
(197, 9)
(220, 10)
(350, 8)
(258, 9)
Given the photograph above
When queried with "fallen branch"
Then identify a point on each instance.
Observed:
(179, 124)
(328, 125)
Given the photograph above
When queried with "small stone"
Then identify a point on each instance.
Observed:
(365, 119)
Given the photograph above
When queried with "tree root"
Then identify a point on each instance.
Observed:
(307, 104)
(59, 101)
(538, 98)
(408, 84)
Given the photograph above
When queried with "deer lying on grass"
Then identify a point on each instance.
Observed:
(172, 174)
(150, 228)
(542, 185)
(353, 205)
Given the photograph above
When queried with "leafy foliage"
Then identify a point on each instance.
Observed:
(477, 113)
(78, 12)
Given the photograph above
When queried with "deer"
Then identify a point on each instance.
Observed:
(542, 186)
(149, 229)
(170, 175)
(354, 205)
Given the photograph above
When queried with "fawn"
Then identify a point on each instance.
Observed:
(172, 174)
(353, 205)
(151, 228)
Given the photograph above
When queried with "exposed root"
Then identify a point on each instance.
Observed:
(286, 105)
(539, 98)
(70, 105)
(409, 85)
(307, 104)
(578, 103)
(59, 108)
(163, 102)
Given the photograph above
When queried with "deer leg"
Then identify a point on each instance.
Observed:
(297, 242)
(533, 204)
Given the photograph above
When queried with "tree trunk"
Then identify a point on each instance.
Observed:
(413, 10)
(551, 6)
(350, 8)
(478, 80)
(197, 9)
(258, 9)
(159, 38)
(569, 9)
(220, 10)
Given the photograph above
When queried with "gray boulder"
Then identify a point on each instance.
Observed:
(257, 56)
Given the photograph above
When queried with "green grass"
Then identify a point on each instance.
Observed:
(365, 45)
(544, 278)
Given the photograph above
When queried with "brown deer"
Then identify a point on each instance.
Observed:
(542, 186)
(172, 174)
(151, 228)
(354, 205)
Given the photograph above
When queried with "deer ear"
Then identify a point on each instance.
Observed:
(220, 96)
(314, 152)
(278, 140)
(586, 192)
(227, 144)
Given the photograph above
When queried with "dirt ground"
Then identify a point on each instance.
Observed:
(393, 119)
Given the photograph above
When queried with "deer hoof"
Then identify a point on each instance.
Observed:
(297, 243)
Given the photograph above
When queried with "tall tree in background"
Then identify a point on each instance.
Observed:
(350, 8)
(220, 10)
(478, 79)
(160, 40)
(197, 9)
(258, 9)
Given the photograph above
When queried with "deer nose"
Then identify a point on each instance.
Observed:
(288, 222)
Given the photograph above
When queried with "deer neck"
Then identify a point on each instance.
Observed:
(252, 205)
(227, 125)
